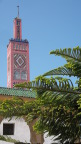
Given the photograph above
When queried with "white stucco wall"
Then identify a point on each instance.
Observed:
(21, 131)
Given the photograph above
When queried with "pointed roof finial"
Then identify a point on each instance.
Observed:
(18, 11)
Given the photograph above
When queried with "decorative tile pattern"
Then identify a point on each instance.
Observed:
(19, 61)
(17, 92)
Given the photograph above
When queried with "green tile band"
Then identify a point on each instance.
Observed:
(17, 92)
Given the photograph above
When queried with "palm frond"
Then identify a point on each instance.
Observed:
(69, 53)
(60, 71)
(8, 139)
(57, 84)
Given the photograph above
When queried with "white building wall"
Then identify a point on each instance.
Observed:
(21, 131)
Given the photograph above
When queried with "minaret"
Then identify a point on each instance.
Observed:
(17, 56)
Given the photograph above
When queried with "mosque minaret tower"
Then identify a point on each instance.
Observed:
(17, 56)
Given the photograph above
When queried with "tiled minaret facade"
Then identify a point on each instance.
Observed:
(17, 57)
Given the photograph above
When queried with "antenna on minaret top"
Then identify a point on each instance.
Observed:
(18, 11)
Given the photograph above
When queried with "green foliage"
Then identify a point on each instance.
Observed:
(8, 139)
(57, 107)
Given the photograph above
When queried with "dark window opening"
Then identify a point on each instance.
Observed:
(18, 28)
(18, 22)
(8, 129)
